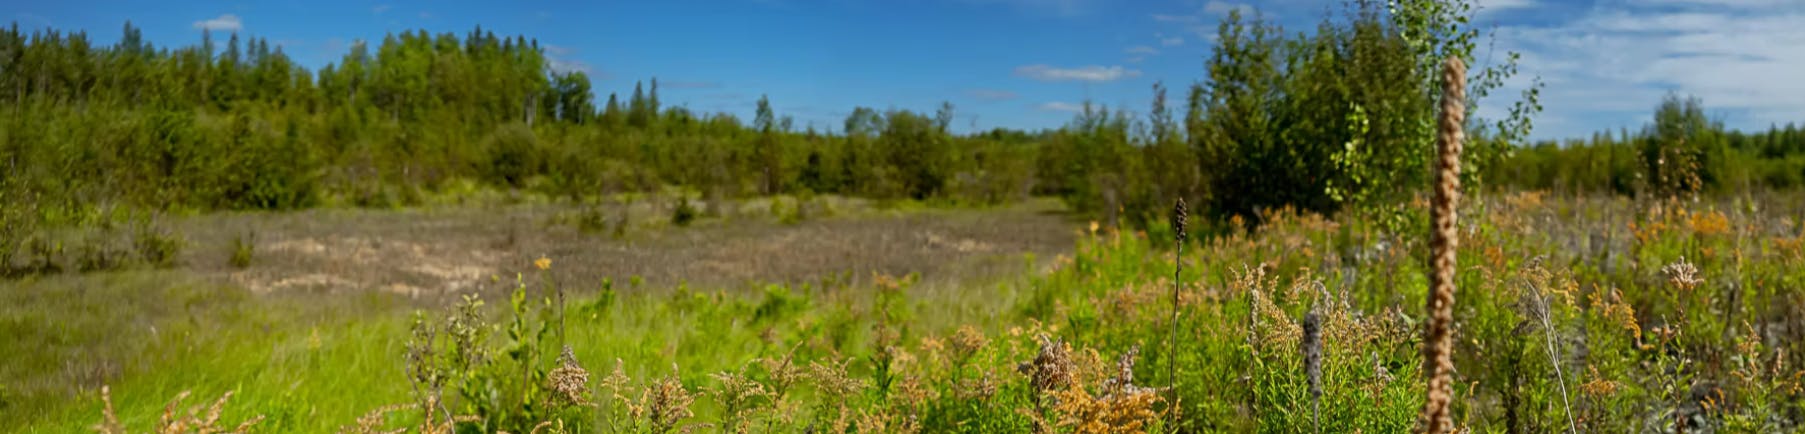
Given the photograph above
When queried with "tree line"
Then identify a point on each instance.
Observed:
(1679, 152)
(1338, 119)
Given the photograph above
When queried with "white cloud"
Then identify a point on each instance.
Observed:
(1202, 21)
(1610, 65)
(379, 9)
(1141, 49)
(1060, 106)
(564, 66)
(226, 22)
(1498, 5)
(558, 59)
(992, 94)
(1083, 73)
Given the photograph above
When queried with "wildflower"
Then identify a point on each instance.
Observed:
(966, 343)
(1682, 274)
(543, 263)
(1052, 369)
(569, 380)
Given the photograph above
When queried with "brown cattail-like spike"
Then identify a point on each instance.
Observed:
(1438, 362)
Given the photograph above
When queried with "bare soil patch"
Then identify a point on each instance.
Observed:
(428, 253)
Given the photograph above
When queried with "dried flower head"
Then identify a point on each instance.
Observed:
(665, 403)
(200, 418)
(832, 379)
(1682, 274)
(1052, 369)
(569, 382)
(1122, 407)
(966, 343)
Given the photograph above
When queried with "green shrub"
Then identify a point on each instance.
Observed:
(244, 247)
(156, 247)
(684, 213)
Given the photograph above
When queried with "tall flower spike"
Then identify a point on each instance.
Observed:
(1438, 361)
(1179, 217)
(1312, 349)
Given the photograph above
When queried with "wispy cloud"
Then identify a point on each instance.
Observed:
(1141, 49)
(379, 9)
(1060, 106)
(1094, 73)
(1488, 6)
(1202, 21)
(1609, 65)
(1138, 53)
(226, 22)
(1217, 7)
(558, 59)
(992, 94)
(566, 66)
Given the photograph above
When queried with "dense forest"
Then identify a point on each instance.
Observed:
(1317, 121)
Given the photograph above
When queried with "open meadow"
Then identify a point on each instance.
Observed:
(1600, 314)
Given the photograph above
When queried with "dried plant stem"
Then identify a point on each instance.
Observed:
(1553, 354)
(1438, 362)
(1179, 220)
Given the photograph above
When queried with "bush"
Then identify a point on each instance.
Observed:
(156, 247)
(514, 154)
(684, 213)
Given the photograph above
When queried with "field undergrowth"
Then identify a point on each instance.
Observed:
(1587, 314)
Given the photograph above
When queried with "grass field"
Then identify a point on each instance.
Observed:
(1592, 314)
(328, 293)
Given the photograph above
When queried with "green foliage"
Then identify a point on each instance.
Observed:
(1680, 153)
(155, 246)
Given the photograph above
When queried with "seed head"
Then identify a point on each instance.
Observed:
(1179, 217)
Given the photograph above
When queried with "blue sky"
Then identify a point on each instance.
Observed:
(1016, 63)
